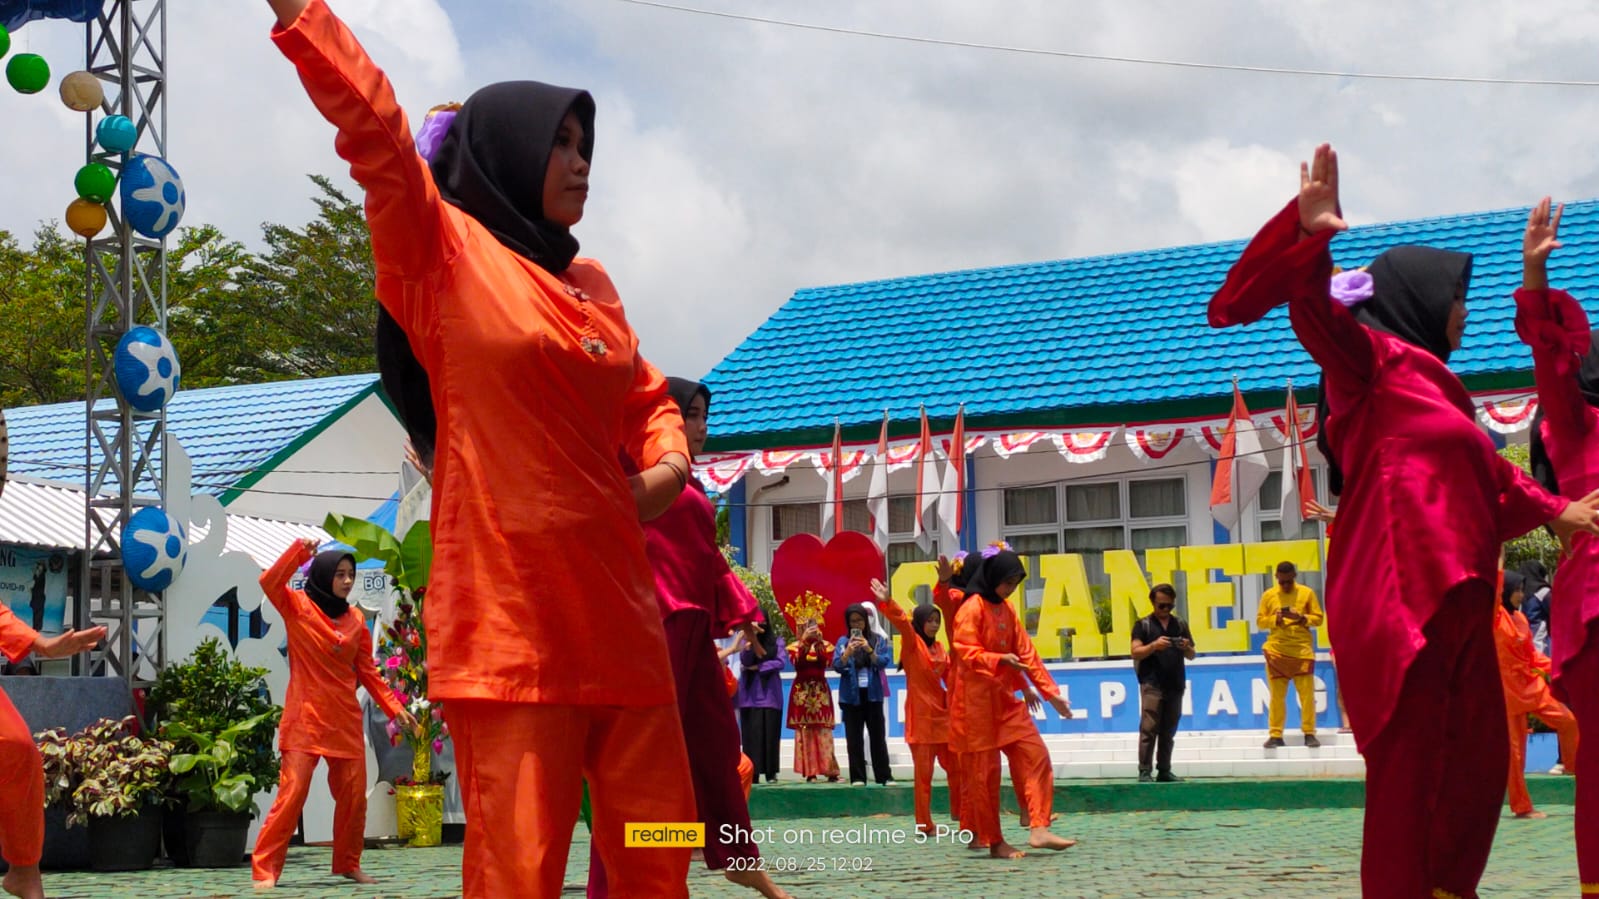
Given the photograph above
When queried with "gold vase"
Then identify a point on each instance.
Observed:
(420, 809)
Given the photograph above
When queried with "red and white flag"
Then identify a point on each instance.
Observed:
(1299, 487)
(927, 487)
(1241, 469)
(952, 499)
(833, 505)
(877, 489)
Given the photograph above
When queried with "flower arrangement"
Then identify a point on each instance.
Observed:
(995, 548)
(105, 770)
(402, 660)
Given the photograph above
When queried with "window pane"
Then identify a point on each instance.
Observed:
(1273, 530)
(857, 517)
(1271, 492)
(900, 553)
(1159, 538)
(1093, 502)
(1165, 498)
(1035, 544)
(1030, 505)
(902, 514)
(795, 518)
(1089, 540)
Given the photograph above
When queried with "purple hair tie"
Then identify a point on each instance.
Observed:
(1352, 287)
(434, 127)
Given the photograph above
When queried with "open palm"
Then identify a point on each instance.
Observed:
(1543, 232)
(1318, 192)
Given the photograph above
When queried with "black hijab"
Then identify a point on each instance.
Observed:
(1513, 582)
(919, 618)
(1413, 293)
(866, 629)
(684, 391)
(992, 571)
(1543, 469)
(1534, 576)
(491, 165)
(319, 582)
(768, 637)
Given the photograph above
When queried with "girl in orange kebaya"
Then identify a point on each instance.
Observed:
(810, 699)
(995, 655)
(330, 655)
(536, 383)
(926, 667)
(21, 768)
(1523, 668)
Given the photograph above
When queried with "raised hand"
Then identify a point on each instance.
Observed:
(946, 569)
(68, 644)
(288, 10)
(1319, 512)
(415, 458)
(1318, 193)
(1580, 517)
(1541, 238)
(880, 591)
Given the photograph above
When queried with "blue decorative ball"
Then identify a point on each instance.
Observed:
(152, 196)
(116, 133)
(153, 549)
(147, 368)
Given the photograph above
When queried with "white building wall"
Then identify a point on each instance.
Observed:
(351, 468)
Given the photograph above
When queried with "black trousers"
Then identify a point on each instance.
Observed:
(869, 714)
(760, 731)
(1162, 709)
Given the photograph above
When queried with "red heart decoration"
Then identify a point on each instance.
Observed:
(841, 572)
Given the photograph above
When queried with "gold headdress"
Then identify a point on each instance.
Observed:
(808, 607)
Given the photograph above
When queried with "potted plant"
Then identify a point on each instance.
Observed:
(402, 658)
(211, 703)
(114, 781)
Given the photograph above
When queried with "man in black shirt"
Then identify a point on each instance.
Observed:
(1161, 643)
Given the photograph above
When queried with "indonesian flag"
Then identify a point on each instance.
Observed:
(927, 487)
(1299, 489)
(833, 505)
(877, 490)
(952, 500)
(1241, 469)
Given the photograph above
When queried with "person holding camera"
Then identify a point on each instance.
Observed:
(1289, 610)
(810, 700)
(1161, 645)
(861, 663)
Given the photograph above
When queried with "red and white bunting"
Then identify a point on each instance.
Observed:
(1209, 435)
(1508, 416)
(1083, 446)
(777, 461)
(854, 463)
(1307, 424)
(902, 456)
(1153, 444)
(1007, 445)
(720, 472)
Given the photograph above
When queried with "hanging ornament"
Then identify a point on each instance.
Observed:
(82, 91)
(95, 183)
(28, 73)
(116, 133)
(152, 196)
(86, 218)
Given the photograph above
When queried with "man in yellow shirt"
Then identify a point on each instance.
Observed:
(1290, 610)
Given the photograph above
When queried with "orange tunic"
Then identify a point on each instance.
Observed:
(16, 638)
(926, 670)
(1521, 665)
(538, 552)
(985, 712)
(328, 659)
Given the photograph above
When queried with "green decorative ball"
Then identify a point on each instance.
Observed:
(5, 41)
(95, 183)
(28, 73)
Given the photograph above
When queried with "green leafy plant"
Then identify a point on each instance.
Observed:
(408, 561)
(212, 776)
(760, 585)
(208, 693)
(1537, 544)
(105, 770)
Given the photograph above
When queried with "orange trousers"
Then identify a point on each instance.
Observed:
(1563, 722)
(347, 782)
(1032, 774)
(22, 783)
(923, 756)
(521, 768)
(746, 775)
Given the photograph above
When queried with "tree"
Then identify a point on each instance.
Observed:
(43, 330)
(1538, 543)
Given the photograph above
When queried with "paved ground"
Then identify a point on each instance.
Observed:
(1121, 854)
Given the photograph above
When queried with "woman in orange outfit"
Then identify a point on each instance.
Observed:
(21, 768)
(926, 667)
(330, 655)
(1524, 670)
(535, 381)
(995, 655)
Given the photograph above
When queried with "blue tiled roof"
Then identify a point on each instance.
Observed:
(228, 432)
(1094, 340)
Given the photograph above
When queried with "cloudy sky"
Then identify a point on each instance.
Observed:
(736, 162)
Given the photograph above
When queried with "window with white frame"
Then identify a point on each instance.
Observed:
(1090, 518)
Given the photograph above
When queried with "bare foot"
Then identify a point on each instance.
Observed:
(1003, 849)
(24, 882)
(270, 883)
(1041, 838)
(1532, 815)
(360, 876)
(758, 881)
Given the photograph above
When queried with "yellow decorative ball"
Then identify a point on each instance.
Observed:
(86, 219)
(82, 91)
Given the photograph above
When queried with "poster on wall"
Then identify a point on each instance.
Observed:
(33, 583)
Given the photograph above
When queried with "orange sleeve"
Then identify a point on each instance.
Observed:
(909, 641)
(366, 672)
(1036, 672)
(651, 421)
(969, 645)
(275, 580)
(16, 638)
(414, 233)
(948, 604)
